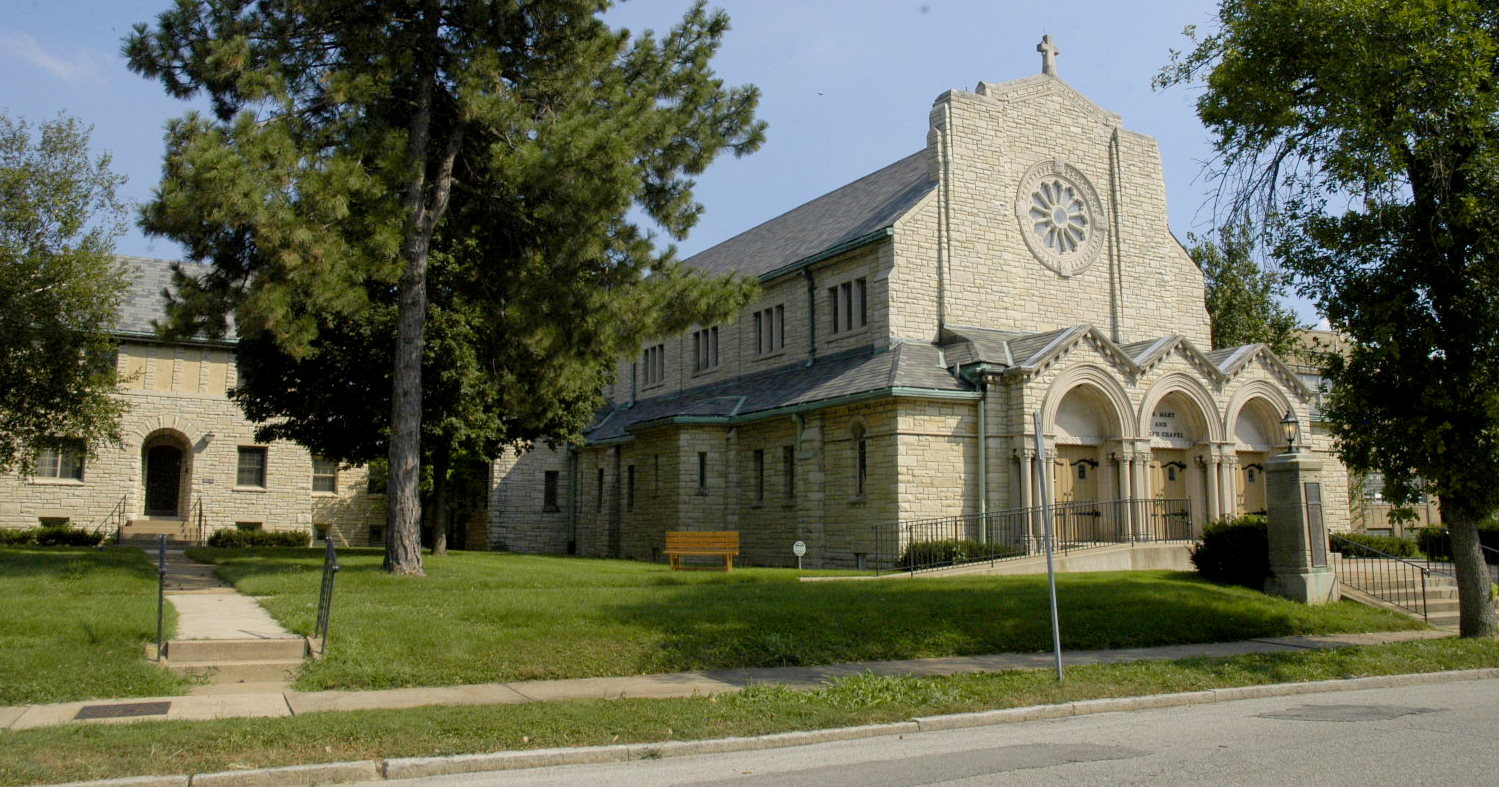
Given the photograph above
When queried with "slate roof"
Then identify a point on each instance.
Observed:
(871, 203)
(143, 302)
(859, 371)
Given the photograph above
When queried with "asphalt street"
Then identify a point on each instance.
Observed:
(1435, 734)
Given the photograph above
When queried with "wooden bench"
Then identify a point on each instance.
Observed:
(702, 543)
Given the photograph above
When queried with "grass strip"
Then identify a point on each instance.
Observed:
(75, 622)
(153, 747)
(487, 617)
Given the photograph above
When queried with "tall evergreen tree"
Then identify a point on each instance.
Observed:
(60, 289)
(352, 139)
(1365, 134)
(1243, 297)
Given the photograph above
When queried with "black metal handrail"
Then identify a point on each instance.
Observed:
(325, 595)
(1391, 579)
(115, 515)
(924, 544)
(195, 514)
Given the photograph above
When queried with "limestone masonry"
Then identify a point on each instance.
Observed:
(908, 326)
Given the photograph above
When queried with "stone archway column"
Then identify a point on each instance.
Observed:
(1214, 480)
(1231, 485)
(1140, 462)
(1024, 457)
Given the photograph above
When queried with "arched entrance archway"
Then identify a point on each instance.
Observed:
(1175, 481)
(1084, 426)
(1255, 433)
(166, 466)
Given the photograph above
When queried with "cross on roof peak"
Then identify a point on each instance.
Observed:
(1049, 54)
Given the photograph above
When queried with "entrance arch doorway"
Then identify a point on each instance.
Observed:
(165, 467)
(1178, 428)
(1086, 420)
(1255, 431)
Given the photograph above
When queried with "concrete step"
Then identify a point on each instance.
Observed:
(235, 650)
(224, 672)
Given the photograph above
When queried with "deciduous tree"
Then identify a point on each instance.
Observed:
(1365, 135)
(1243, 296)
(351, 140)
(60, 289)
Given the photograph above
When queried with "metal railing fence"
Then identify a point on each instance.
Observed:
(325, 595)
(924, 544)
(1394, 580)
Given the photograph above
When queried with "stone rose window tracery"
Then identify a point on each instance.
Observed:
(1059, 215)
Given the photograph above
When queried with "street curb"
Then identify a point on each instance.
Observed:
(417, 767)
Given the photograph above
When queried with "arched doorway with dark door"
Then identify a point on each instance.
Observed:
(166, 466)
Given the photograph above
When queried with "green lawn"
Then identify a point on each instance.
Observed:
(75, 622)
(78, 752)
(481, 617)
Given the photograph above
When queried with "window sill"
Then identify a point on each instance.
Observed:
(702, 493)
(259, 489)
(834, 338)
(858, 500)
(57, 481)
(778, 353)
(704, 372)
(324, 494)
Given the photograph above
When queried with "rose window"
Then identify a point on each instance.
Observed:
(1060, 219)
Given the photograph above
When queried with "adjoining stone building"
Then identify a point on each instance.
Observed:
(188, 454)
(909, 324)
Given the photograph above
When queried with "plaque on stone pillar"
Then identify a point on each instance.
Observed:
(1296, 531)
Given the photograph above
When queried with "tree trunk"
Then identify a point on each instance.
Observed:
(1474, 587)
(440, 517)
(403, 554)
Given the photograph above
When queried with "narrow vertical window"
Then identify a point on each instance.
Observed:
(788, 471)
(862, 298)
(848, 305)
(760, 347)
(251, 469)
(759, 470)
(780, 331)
(655, 474)
(549, 491)
(833, 306)
(702, 472)
(861, 459)
(599, 506)
(630, 488)
(324, 475)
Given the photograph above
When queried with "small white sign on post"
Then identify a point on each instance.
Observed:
(799, 549)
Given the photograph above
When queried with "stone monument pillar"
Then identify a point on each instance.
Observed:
(1297, 532)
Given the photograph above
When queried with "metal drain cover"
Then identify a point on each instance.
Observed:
(123, 711)
(1346, 712)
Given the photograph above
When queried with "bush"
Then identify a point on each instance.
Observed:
(950, 551)
(1349, 543)
(1234, 551)
(234, 537)
(50, 537)
(1437, 544)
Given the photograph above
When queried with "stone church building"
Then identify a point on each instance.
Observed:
(188, 455)
(908, 325)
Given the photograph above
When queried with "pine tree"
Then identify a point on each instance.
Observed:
(353, 143)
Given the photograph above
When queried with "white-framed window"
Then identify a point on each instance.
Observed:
(705, 349)
(251, 469)
(62, 460)
(324, 474)
(770, 330)
(848, 305)
(653, 365)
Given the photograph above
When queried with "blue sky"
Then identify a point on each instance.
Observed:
(846, 86)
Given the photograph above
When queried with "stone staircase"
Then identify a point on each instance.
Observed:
(144, 531)
(1399, 586)
(226, 640)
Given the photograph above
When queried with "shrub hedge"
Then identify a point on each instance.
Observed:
(1437, 544)
(50, 537)
(1235, 551)
(234, 537)
(950, 551)
(1349, 543)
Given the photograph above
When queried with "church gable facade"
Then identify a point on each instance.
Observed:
(908, 326)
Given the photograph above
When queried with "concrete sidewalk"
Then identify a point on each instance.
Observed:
(681, 684)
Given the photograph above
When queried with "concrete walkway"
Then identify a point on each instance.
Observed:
(209, 608)
(681, 684)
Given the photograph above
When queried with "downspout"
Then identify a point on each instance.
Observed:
(983, 463)
(811, 316)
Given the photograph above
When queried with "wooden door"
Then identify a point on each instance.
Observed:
(163, 480)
